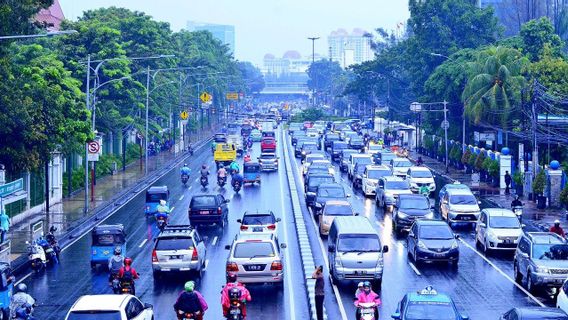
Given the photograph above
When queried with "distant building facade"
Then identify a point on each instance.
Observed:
(350, 48)
(52, 16)
(286, 75)
(222, 32)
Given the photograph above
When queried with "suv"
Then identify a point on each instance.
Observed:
(541, 258)
(208, 209)
(268, 161)
(459, 206)
(256, 258)
(497, 229)
(356, 143)
(419, 176)
(371, 178)
(259, 222)
(336, 148)
(408, 208)
(400, 166)
(329, 138)
(312, 183)
(178, 248)
(388, 190)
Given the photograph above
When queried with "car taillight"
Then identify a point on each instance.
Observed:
(154, 256)
(272, 227)
(219, 210)
(194, 255)
(232, 267)
(276, 265)
(244, 228)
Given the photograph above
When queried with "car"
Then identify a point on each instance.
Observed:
(541, 260)
(255, 135)
(497, 229)
(357, 143)
(319, 170)
(358, 172)
(400, 166)
(534, 313)
(268, 161)
(326, 192)
(451, 186)
(319, 127)
(307, 148)
(388, 189)
(459, 206)
(427, 304)
(179, 248)
(332, 209)
(344, 159)
(297, 135)
(298, 147)
(357, 158)
(312, 132)
(562, 298)
(294, 128)
(373, 148)
(323, 164)
(311, 158)
(220, 138)
(408, 208)
(110, 306)
(432, 240)
(329, 139)
(260, 221)
(268, 144)
(336, 148)
(256, 258)
(208, 209)
(347, 134)
(420, 176)
(383, 157)
(371, 178)
(312, 183)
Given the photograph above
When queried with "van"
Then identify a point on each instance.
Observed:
(384, 157)
(268, 133)
(459, 206)
(355, 251)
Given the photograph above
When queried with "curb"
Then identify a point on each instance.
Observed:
(302, 233)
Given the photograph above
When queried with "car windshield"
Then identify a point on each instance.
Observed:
(338, 210)
(386, 157)
(359, 243)
(360, 169)
(258, 219)
(356, 140)
(402, 164)
(421, 174)
(314, 157)
(309, 146)
(420, 203)
(94, 315)
(549, 251)
(332, 137)
(375, 147)
(435, 232)
(331, 192)
(429, 310)
(339, 146)
(376, 174)
(463, 199)
(252, 249)
(174, 243)
(397, 185)
(362, 160)
(267, 156)
(318, 170)
(504, 222)
(206, 201)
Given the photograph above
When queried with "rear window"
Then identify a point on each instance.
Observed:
(267, 156)
(253, 249)
(174, 243)
(156, 197)
(338, 210)
(203, 202)
(94, 315)
(258, 219)
(319, 180)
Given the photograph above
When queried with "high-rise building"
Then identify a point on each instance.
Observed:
(350, 48)
(225, 33)
(52, 16)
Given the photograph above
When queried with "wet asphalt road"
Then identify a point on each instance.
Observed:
(59, 287)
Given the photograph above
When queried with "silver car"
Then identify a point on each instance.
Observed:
(268, 161)
(256, 258)
(179, 248)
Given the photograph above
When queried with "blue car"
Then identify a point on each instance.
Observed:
(427, 304)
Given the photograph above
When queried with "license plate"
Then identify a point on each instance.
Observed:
(360, 272)
(257, 229)
(466, 218)
(204, 212)
(235, 311)
(175, 257)
(439, 254)
(255, 268)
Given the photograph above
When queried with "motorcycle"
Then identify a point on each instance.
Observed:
(182, 315)
(127, 287)
(190, 150)
(50, 237)
(221, 181)
(184, 179)
(36, 256)
(204, 182)
(367, 311)
(50, 254)
(236, 187)
(518, 210)
(161, 221)
(24, 312)
(235, 312)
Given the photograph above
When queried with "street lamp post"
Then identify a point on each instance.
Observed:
(419, 107)
(313, 39)
(39, 35)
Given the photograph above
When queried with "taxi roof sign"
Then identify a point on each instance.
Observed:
(429, 290)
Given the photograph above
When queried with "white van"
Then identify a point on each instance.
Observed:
(459, 205)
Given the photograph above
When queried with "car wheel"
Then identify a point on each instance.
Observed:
(530, 285)
(455, 263)
(517, 273)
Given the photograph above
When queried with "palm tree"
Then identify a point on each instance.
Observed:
(493, 91)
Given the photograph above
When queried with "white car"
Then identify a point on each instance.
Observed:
(110, 306)
(498, 229)
(371, 178)
(400, 167)
(388, 190)
(459, 206)
(373, 148)
(357, 158)
(562, 299)
(420, 176)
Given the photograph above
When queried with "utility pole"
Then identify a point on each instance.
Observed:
(446, 124)
(535, 143)
(313, 39)
(86, 207)
(147, 107)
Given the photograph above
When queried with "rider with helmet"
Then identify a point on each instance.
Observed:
(234, 290)
(190, 301)
(115, 263)
(237, 177)
(367, 296)
(556, 228)
(21, 300)
(163, 210)
(128, 274)
(234, 167)
(204, 170)
(185, 170)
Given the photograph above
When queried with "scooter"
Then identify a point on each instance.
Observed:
(50, 237)
(204, 182)
(367, 311)
(36, 256)
(236, 187)
(184, 179)
(182, 315)
(221, 181)
(127, 287)
(50, 254)
(235, 312)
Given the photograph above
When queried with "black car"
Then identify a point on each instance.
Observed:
(336, 148)
(432, 240)
(326, 192)
(298, 148)
(297, 135)
(356, 143)
(358, 172)
(220, 138)
(208, 209)
(246, 130)
(312, 183)
(307, 148)
(409, 207)
(344, 157)
(534, 313)
(329, 138)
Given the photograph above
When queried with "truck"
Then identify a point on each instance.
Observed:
(225, 153)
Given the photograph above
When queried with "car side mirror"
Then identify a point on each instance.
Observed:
(278, 219)
(148, 306)
(331, 248)
(357, 213)
(283, 246)
(445, 202)
(257, 158)
(464, 317)
(396, 315)
(482, 225)
(227, 201)
(227, 247)
(348, 195)
(478, 202)
(239, 220)
(385, 249)
(457, 236)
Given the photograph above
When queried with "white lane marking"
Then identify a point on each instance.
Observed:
(143, 243)
(23, 278)
(196, 179)
(414, 268)
(214, 241)
(206, 263)
(288, 270)
(172, 209)
(189, 188)
(181, 198)
(503, 273)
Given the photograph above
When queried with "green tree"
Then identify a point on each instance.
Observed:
(538, 33)
(253, 78)
(16, 16)
(551, 72)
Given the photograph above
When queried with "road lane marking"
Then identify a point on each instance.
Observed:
(197, 179)
(414, 268)
(206, 263)
(172, 209)
(503, 273)
(214, 241)
(181, 198)
(189, 188)
(143, 243)
(23, 278)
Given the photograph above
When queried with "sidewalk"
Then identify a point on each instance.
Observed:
(69, 213)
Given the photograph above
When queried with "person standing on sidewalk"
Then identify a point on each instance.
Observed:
(508, 181)
(4, 225)
(319, 291)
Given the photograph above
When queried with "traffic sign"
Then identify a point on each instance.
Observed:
(415, 107)
(205, 97)
(184, 115)
(232, 96)
(93, 149)
(445, 124)
(11, 187)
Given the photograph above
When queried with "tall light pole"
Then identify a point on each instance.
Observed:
(313, 39)
(419, 107)
(39, 35)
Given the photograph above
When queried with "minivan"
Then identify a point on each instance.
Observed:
(355, 251)
(459, 206)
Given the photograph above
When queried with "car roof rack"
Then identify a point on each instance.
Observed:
(179, 228)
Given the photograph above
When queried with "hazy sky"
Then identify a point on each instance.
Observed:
(265, 26)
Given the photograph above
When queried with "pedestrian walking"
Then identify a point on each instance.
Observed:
(508, 181)
(319, 291)
(4, 225)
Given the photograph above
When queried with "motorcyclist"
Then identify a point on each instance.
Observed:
(115, 263)
(556, 228)
(359, 289)
(226, 301)
(516, 202)
(204, 171)
(127, 274)
(163, 210)
(190, 301)
(213, 146)
(419, 162)
(185, 170)
(425, 190)
(21, 298)
(237, 177)
(367, 296)
(222, 172)
(234, 167)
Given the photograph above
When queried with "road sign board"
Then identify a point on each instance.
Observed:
(205, 97)
(232, 96)
(445, 124)
(184, 115)
(93, 149)
(11, 187)
(415, 107)
(486, 136)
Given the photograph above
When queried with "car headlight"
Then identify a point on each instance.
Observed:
(413, 184)
(303, 152)
(421, 245)
(454, 245)
(542, 270)
(402, 215)
(429, 215)
(491, 234)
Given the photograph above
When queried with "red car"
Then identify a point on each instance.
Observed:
(268, 144)
(308, 124)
